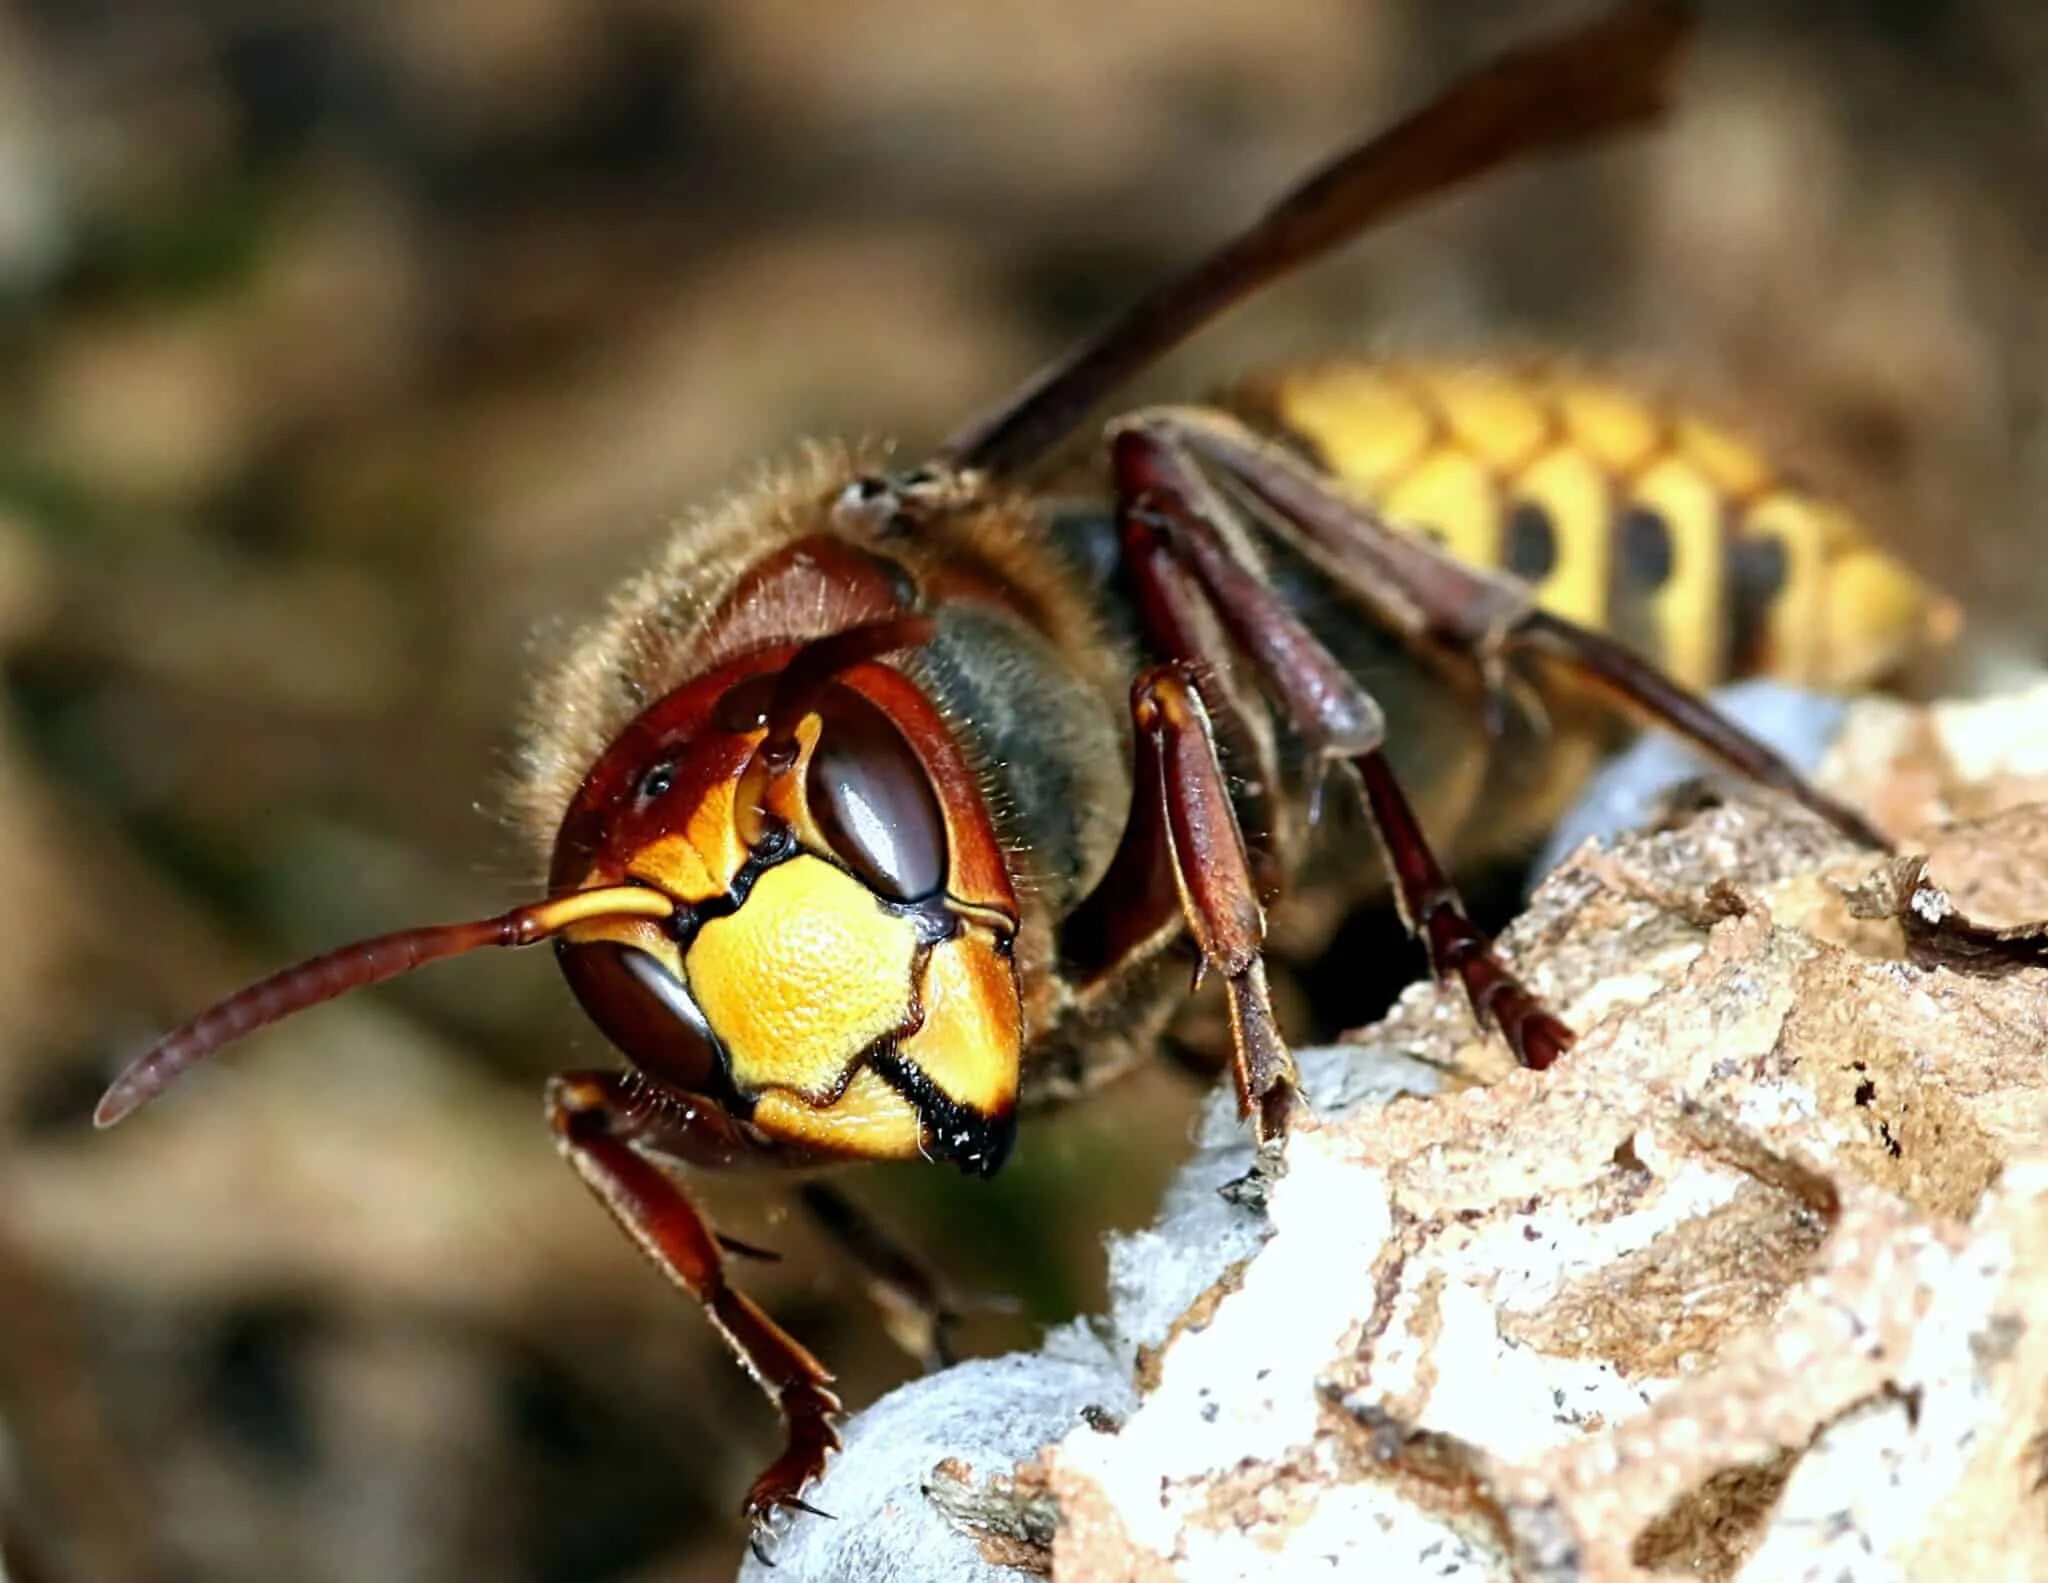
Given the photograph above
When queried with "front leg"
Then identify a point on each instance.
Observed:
(598, 1118)
(1179, 774)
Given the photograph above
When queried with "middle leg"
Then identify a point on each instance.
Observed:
(1176, 543)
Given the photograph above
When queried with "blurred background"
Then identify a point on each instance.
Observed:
(351, 347)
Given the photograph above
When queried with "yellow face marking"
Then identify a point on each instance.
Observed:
(1733, 465)
(1573, 494)
(701, 859)
(1618, 429)
(1686, 608)
(1365, 425)
(807, 974)
(1451, 493)
(972, 1037)
(870, 1121)
(1491, 414)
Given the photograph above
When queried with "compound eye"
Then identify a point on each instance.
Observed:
(873, 801)
(643, 1009)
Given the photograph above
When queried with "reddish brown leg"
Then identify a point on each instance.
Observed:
(1627, 676)
(1176, 537)
(1430, 904)
(598, 1119)
(1218, 897)
(1437, 603)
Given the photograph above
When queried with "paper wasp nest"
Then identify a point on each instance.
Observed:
(1754, 1284)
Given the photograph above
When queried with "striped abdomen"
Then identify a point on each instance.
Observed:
(1623, 513)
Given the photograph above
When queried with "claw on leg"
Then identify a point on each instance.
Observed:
(810, 1413)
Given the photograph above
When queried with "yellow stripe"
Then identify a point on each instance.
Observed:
(1576, 496)
(1452, 495)
(1796, 623)
(1687, 608)
(1734, 467)
(1617, 428)
(1364, 423)
(1452, 448)
(1496, 417)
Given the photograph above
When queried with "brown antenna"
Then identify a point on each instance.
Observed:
(356, 967)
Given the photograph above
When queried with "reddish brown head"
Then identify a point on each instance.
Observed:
(779, 887)
(837, 965)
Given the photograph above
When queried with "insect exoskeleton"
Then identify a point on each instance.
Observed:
(885, 757)
(1629, 512)
(887, 801)
(1669, 528)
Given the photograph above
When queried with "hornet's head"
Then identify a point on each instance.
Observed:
(836, 965)
(778, 887)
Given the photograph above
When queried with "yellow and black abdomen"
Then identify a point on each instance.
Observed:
(1622, 512)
